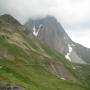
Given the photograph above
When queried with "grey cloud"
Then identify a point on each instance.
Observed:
(67, 11)
(71, 13)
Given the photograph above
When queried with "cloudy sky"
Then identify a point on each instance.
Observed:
(74, 15)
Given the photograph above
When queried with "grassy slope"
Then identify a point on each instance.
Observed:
(26, 63)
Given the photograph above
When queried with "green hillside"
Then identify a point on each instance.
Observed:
(31, 65)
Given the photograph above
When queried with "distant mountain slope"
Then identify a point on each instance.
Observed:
(51, 32)
(83, 52)
(31, 65)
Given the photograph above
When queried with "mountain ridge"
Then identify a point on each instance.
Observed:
(29, 64)
(53, 34)
(9, 19)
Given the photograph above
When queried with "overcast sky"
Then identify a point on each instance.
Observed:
(74, 15)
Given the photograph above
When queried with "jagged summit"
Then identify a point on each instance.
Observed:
(46, 21)
(53, 34)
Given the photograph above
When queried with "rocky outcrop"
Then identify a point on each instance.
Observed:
(50, 31)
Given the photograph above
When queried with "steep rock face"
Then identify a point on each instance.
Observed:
(50, 31)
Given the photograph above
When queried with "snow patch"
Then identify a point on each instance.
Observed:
(63, 78)
(67, 56)
(40, 26)
(36, 31)
(70, 48)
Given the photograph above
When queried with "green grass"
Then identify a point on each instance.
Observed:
(30, 68)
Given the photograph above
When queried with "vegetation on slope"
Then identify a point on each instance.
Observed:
(31, 65)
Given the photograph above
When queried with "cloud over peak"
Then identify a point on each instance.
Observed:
(71, 13)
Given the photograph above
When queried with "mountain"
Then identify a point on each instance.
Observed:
(51, 32)
(8, 19)
(83, 52)
(29, 64)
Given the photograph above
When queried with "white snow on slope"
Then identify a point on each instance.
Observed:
(67, 56)
(63, 78)
(40, 26)
(36, 31)
(70, 48)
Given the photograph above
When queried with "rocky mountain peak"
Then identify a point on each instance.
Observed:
(50, 31)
